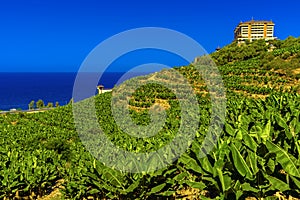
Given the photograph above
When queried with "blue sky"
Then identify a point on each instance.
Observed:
(52, 35)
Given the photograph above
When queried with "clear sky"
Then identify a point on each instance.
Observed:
(56, 35)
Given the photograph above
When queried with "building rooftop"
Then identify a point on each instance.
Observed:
(254, 22)
(257, 22)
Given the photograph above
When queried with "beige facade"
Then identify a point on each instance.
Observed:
(254, 30)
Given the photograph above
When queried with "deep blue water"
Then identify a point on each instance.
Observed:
(18, 89)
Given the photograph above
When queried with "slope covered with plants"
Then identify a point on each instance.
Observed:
(256, 156)
(261, 67)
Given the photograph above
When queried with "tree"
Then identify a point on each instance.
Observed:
(40, 104)
(56, 104)
(50, 105)
(31, 105)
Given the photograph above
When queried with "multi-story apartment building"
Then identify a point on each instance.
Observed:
(254, 30)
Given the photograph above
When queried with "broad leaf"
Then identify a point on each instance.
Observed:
(229, 129)
(225, 180)
(240, 163)
(190, 163)
(287, 161)
(248, 187)
(277, 184)
(250, 142)
(157, 189)
(252, 161)
(198, 185)
(265, 133)
(205, 164)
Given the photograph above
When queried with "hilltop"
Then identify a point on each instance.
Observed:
(261, 67)
(282, 55)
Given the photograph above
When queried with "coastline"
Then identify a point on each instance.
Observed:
(36, 110)
(19, 89)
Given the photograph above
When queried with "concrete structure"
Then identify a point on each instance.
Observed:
(101, 89)
(254, 30)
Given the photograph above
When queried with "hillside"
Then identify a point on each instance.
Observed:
(256, 156)
(275, 65)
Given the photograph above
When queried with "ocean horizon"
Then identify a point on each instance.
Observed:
(18, 89)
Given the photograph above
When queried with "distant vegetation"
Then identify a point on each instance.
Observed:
(257, 155)
(40, 104)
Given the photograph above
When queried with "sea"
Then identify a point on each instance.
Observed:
(17, 90)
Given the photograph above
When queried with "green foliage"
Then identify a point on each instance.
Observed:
(40, 104)
(50, 105)
(233, 53)
(257, 154)
(31, 105)
(284, 57)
